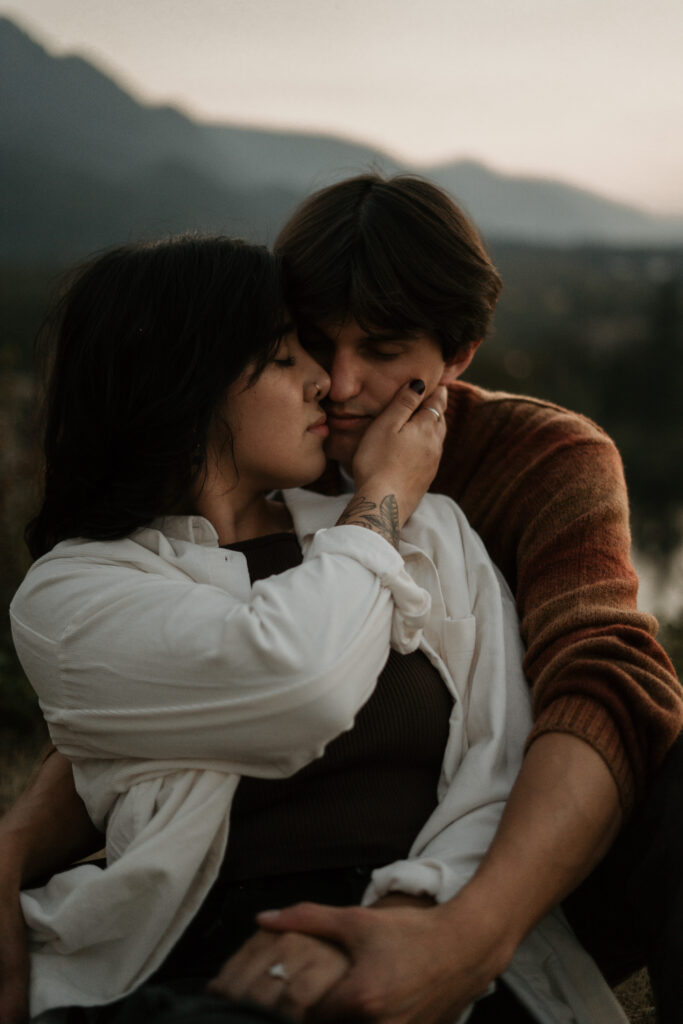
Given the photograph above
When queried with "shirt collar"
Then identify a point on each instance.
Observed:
(312, 512)
(194, 529)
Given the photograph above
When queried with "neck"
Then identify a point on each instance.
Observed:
(348, 469)
(238, 517)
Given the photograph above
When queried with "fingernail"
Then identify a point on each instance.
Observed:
(418, 385)
(268, 914)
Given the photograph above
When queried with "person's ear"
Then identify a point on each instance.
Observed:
(459, 363)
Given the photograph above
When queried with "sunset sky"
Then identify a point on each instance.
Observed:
(589, 91)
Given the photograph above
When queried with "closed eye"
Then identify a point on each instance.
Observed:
(384, 351)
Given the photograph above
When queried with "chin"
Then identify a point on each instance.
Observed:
(313, 474)
(341, 449)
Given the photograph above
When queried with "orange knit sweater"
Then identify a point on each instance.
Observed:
(545, 490)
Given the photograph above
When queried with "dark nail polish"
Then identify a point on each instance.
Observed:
(418, 385)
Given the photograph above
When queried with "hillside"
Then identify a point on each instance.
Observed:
(85, 164)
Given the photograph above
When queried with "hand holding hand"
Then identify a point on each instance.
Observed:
(408, 965)
(308, 968)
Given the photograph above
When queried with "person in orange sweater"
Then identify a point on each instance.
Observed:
(389, 281)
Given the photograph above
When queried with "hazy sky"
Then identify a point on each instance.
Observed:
(590, 91)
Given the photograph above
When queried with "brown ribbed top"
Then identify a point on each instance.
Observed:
(366, 799)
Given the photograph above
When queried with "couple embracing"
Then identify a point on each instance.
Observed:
(332, 785)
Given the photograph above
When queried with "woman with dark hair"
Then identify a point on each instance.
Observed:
(137, 375)
(211, 658)
(178, 399)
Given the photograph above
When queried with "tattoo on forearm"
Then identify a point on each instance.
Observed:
(383, 519)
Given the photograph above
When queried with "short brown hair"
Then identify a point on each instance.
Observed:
(393, 254)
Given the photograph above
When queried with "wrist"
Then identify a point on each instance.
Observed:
(379, 514)
(495, 932)
(377, 487)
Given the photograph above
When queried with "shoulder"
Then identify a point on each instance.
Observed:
(522, 467)
(79, 556)
(81, 573)
(497, 441)
(474, 411)
(74, 571)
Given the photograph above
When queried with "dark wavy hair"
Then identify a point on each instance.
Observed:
(138, 354)
(395, 254)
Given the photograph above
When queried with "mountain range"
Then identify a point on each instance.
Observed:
(84, 164)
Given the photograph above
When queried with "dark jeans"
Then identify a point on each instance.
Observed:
(178, 1004)
(629, 912)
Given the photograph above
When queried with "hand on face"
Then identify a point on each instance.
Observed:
(400, 451)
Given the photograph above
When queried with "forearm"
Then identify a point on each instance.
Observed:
(561, 818)
(47, 828)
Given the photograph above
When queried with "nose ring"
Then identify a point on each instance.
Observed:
(318, 390)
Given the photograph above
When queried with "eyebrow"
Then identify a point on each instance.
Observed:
(391, 336)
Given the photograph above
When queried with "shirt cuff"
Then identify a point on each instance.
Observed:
(412, 603)
(416, 878)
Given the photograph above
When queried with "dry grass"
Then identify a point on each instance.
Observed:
(635, 995)
(18, 760)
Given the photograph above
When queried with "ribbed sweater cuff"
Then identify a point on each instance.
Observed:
(590, 721)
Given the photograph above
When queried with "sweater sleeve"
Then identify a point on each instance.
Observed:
(546, 491)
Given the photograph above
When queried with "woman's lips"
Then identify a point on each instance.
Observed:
(320, 427)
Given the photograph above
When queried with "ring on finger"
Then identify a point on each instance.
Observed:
(435, 412)
(279, 971)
